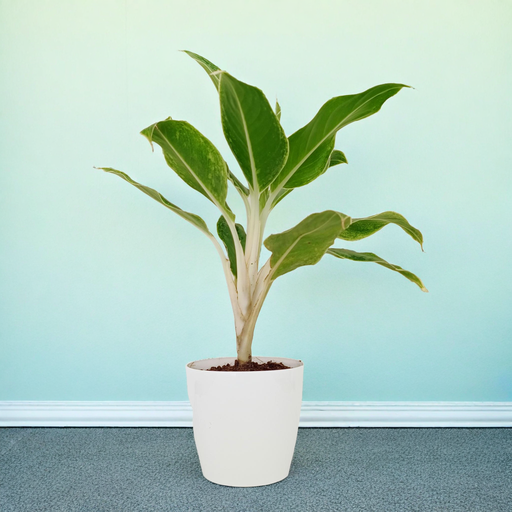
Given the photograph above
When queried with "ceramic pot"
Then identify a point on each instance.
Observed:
(245, 423)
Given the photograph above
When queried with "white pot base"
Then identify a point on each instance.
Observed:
(245, 423)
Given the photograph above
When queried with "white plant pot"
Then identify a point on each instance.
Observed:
(245, 423)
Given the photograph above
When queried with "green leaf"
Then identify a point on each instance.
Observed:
(278, 111)
(364, 227)
(281, 195)
(227, 238)
(306, 243)
(208, 66)
(197, 221)
(314, 166)
(250, 126)
(369, 256)
(194, 158)
(241, 235)
(264, 198)
(242, 189)
(337, 157)
(252, 131)
(311, 146)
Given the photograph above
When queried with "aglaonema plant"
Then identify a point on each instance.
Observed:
(273, 166)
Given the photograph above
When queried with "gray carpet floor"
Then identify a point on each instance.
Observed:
(157, 469)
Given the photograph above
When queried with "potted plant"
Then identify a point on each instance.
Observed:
(246, 421)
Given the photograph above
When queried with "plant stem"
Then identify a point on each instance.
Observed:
(245, 326)
(229, 278)
(244, 344)
(252, 249)
(249, 289)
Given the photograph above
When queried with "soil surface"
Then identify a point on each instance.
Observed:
(253, 366)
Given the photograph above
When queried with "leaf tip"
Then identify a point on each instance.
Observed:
(149, 136)
(423, 289)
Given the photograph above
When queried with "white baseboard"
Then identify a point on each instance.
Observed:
(313, 414)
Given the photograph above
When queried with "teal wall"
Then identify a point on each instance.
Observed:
(105, 295)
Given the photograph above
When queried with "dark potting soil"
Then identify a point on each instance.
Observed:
(253, 366)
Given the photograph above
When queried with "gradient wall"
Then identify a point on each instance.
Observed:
(106, 295)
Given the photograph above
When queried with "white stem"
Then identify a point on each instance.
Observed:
(242, 281)
(252, 249)
(261, 282)
(252, 284)
(246, 203)
(251, 212)
(229, 280)
(258, 288)
(272, 196)
(246, 332)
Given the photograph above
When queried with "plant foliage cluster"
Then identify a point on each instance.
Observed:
(273, 166)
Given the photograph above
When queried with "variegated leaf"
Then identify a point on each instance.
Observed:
(194, 219)
(306, 243)
(370, 257)
(364, 227)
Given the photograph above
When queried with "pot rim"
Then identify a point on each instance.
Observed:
(214, 361)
